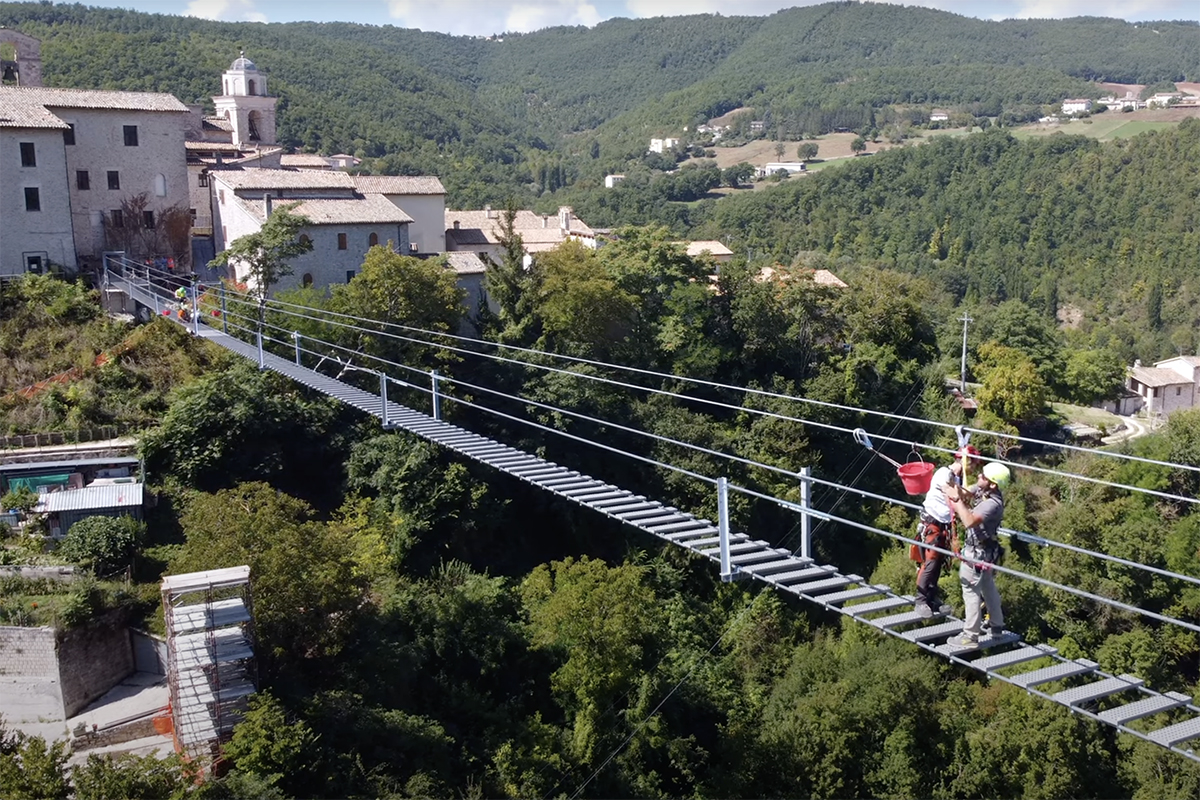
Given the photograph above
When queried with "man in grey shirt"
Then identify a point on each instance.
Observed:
(981, 551)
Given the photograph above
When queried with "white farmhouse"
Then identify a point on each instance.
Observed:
(1076, 106)
(1168, 386)
(662, 145)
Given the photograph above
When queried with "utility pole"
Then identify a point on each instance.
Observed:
(964, 319)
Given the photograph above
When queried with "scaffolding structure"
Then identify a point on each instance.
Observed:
(211, 666)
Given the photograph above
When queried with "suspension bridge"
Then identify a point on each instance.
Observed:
(235, 321)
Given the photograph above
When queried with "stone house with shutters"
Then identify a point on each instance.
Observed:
(1166, 387)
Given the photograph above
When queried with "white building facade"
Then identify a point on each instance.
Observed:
(35, 204)
(116, 152)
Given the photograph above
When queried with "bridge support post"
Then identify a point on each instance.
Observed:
(805, 519)
(196, 310)
(224, 317)
(723, 527)
(383, 401)
(296, 339)
(437, 397)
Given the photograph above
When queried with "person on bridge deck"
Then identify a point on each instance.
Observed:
(982, 550)
(933, 530)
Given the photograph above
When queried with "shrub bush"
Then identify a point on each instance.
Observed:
(103, 544)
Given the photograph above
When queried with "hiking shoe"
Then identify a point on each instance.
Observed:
(963, 641)
(945, 609)
(922, 608)
(997, 631)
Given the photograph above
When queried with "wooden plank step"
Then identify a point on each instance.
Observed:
(588, 498)
(1094, 691)
(1144, 708)
(1066, 669)
(739, 548)
(629, 507)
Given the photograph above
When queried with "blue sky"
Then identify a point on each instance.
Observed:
(485, 17)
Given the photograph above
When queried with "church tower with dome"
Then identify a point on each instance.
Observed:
(245, 103)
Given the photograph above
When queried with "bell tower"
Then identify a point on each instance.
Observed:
(20, 59)
(244, 102)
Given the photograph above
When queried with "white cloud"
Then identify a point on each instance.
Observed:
(226, 10)
(471, 17)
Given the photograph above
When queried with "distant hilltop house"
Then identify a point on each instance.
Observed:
(1130, 101)
(662, 145)
(1166, 387)
(612, 180)
(771, 167)
(713, 249)
(1076, 106)
(757, 125)
(821, 277)
(939, 115)
(1163, 99)
(716, 131)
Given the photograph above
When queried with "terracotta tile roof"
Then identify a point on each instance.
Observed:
(95, 98)
(1153, 376)
(467, 237)
(302, 160)
(466, 263)
(713, 248)
(399, 184)
(257, 178)
(373, 209)
(217, 123)
(534, 228)
(18, 110)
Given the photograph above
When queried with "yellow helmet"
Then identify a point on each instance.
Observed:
(997, 473)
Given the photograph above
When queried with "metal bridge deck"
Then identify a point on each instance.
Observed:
(1077, 684)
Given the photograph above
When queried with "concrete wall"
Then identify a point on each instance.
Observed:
(92, 659)
(45, 233)
(29, 677)
(48, 676)
(328, 265)
(428, 228)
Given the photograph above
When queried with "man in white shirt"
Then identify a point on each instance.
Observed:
(934, 530)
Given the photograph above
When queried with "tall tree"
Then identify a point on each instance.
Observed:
(265, 254)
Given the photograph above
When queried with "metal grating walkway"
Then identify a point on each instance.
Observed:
(1077, 684)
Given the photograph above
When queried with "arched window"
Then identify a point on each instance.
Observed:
(305, 239)
(307, 280)
(254, 123)
(373, 240)
(250, 83)
(160, 185)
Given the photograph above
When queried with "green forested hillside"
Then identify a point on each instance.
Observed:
(1108, 227)
(485, 114)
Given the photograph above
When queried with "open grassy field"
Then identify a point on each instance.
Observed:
(1104, 127)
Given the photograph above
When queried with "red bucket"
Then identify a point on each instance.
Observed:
(916, 476)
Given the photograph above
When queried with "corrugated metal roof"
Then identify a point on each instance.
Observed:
(92, 498)
(53, 466)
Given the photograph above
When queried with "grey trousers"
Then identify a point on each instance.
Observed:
(979, 590)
